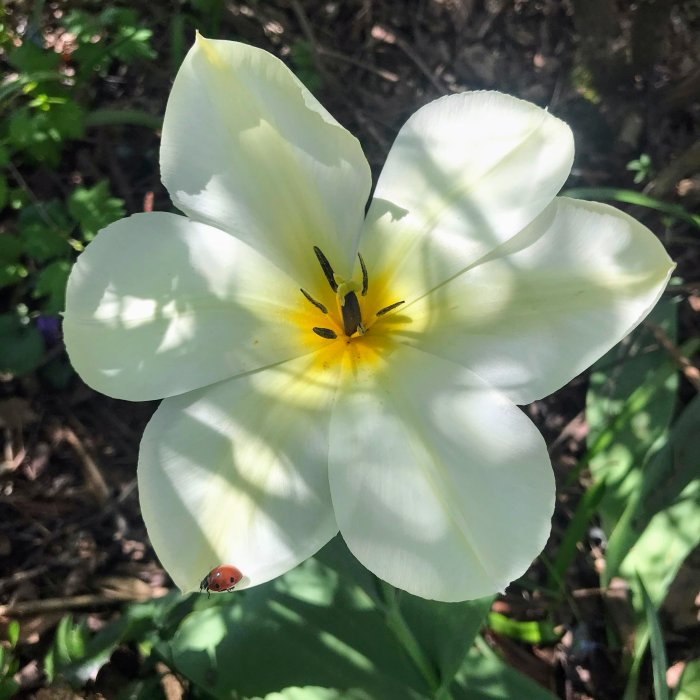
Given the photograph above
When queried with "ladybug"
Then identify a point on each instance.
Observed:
(222, 578)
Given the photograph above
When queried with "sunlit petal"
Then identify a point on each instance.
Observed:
(549, 303)
(440, 485)
(236, 473)
(158, 305)
(466, 173)
(247, 148)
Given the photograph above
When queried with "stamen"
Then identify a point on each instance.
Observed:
(326, 267)
(365, 276)
(389, 308)
(326, 333)
(317, 304)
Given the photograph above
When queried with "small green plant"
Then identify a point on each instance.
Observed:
(9, 664)
(642, 168)
(45, 107)
(114, 34)
(36, 256)
(302, 57)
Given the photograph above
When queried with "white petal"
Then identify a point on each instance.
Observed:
(440, 485)
(549, 303)
(466, 173)
(247, 148)
(158, 305)
(237, 473)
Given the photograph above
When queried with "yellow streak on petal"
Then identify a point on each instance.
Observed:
(208, 48)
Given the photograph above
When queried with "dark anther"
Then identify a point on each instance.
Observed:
(326, 267)
(389, 308)
(317, 304)
(326, 333)
(365, 278)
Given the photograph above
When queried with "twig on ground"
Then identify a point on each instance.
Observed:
(688, 369)
(391, 38)
(171, 685)
(88, 600)
(20, 576)
(93, 475)
(685, 164)
(389, 76)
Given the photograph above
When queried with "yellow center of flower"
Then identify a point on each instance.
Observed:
(355, 320)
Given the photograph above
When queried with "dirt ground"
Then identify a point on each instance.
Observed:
(71, 536)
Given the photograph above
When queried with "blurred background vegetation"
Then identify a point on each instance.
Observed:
(609, 611)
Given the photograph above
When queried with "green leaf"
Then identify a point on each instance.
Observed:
(310, 627)
(4, 192)
(575, 531)
(444, 631)
(136, 623)
(13, 633)
(613, 194)
(121, 36)
(302, 56)
(665, 476)
(659, 663)
(41, 132)
(131, 39)
(656, 556)
(132, 44)
(12, 270)
(11, 274)
(663, 546)
(51, 283)
(484, 676)
(43, 229)
(689, 685)
(83, 25)
(530, 632)
(28, 131)
(629, 406)
(29, 57)
(21, 346)
(68, 119)
(438, 634)
(93, 208)
(11, 248)
(8, 688)
(43, 242)
(69, 643)
(24, 83)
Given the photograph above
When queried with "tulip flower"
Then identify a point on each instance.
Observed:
(322, 370)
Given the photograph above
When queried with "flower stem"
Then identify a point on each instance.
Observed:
(397, 624)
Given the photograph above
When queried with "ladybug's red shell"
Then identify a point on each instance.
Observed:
(222, 578)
